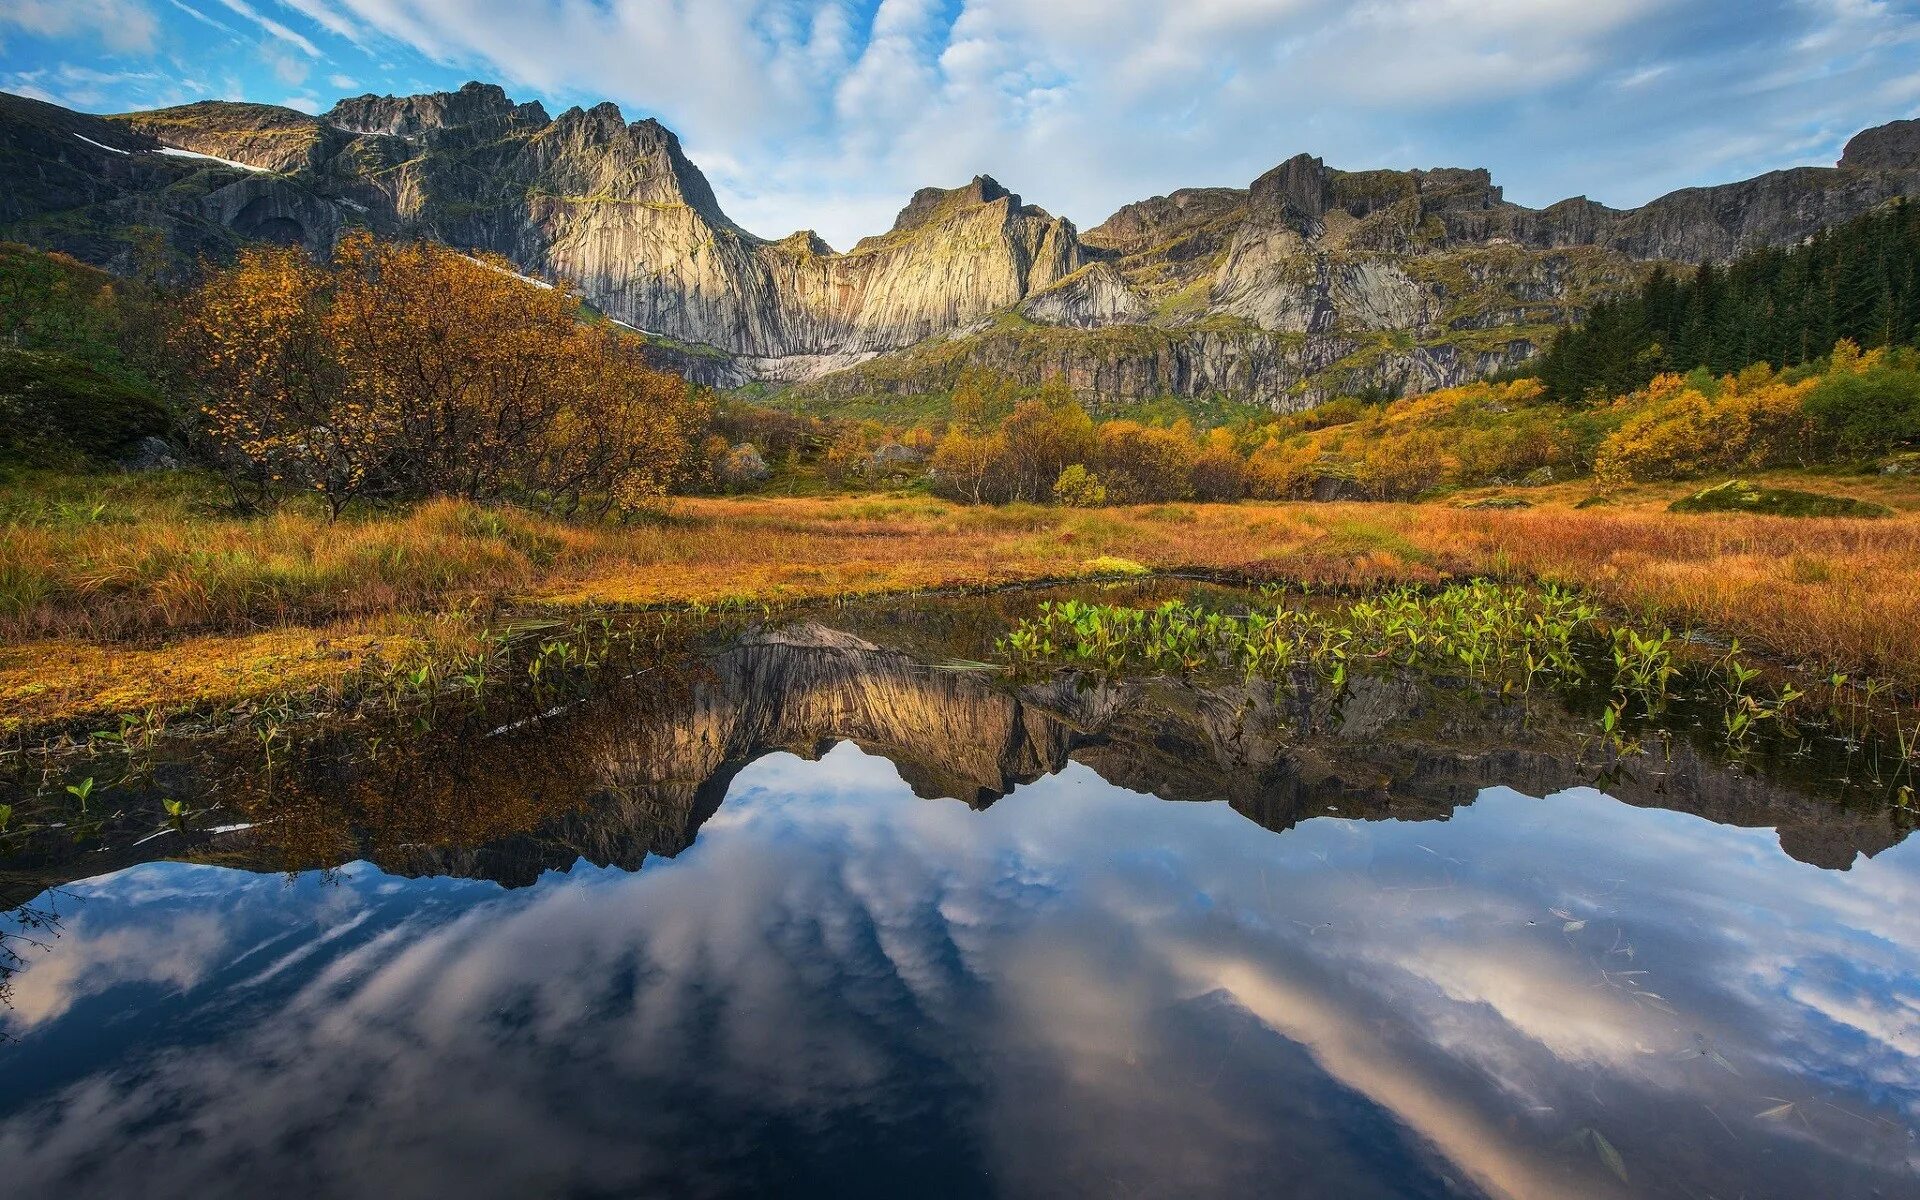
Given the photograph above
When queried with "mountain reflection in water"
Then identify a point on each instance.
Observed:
(836, 988)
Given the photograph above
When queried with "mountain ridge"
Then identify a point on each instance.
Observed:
(1308, 282)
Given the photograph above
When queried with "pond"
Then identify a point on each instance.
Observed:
(804, 908)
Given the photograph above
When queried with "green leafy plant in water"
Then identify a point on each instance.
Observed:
(1643, 662)
(1482, 629)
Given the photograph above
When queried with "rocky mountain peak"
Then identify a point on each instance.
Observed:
(597, 152)
(415, 116)
(1894, 146)
(1149, 222)
(983, 189)
(805, 241)
(1298, 190)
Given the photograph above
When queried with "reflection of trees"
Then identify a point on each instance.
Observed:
(477, 794)
(25, 929)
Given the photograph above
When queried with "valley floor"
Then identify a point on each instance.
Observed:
(123, 594)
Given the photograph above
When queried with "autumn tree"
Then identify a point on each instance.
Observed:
(623, 434)
(272, 417)
(1043, 436)
(969, 466)
(982, 398)
(407, 370)
(1143, 464)
(1219, 473)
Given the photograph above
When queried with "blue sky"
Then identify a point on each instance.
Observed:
(827, 113)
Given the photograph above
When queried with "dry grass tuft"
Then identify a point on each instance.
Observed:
(81, 576)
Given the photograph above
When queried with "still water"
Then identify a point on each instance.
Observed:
(1159, 946)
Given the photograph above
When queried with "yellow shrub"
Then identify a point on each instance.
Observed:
(1678, 429)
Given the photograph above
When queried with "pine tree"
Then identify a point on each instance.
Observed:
(1860, 280)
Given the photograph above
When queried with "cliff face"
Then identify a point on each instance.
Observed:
(1314, 282)
(112, 195)
(617, 210)
(1308, 282)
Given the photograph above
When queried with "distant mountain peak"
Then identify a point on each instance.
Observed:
(982, 189)
(414, 116)
(1894, 146)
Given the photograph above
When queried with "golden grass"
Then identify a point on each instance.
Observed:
(60, 680)
(221, 607)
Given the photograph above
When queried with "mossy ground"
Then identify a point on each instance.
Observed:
(1740, 496)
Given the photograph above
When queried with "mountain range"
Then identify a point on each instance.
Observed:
(1307, 283)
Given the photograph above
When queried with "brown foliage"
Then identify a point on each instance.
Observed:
(407, 370)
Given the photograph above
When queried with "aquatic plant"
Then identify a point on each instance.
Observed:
(1481, 629)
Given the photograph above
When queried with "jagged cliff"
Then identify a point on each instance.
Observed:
(617, 210)
(1307, 282)
(1313, 282)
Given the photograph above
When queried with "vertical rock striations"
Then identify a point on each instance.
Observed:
(1309, 282)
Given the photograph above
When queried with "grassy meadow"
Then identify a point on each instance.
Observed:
(120, 593)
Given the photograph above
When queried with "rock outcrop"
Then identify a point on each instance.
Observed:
(1894, 146)
(617, 210)
(1093, 296)
(1309, 282)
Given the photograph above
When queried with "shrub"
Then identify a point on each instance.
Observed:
(1142, 464)
(1078, 487)
(403, 371)
(1866, 412)
(1219, 475)
(1042, 438)
(1682, 427)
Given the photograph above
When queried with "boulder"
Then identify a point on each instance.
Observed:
(150, 454)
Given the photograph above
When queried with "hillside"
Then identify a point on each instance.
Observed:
(1308, 283)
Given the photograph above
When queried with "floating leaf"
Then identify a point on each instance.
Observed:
(1609, 1155)
(1573, 926)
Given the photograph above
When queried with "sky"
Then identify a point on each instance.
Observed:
(827, 114)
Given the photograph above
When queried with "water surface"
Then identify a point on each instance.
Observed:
(820, 920)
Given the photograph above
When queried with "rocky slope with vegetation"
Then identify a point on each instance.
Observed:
(1309, 283)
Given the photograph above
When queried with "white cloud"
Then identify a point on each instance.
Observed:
(122, 25)
(273, 27)
(326, 17)
(201, 17)
(343, 81)
(288, 69)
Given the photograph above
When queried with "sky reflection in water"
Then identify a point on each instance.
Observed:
(841, 989)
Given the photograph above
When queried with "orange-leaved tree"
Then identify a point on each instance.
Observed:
(403, 370)
(252, 339)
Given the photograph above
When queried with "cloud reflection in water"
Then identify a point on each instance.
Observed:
(1081, 991)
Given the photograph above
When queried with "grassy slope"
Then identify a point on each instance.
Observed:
(120, 593)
